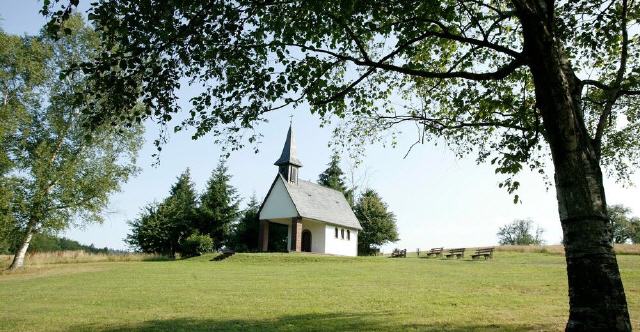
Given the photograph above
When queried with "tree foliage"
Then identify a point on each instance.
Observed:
(22, 74)
(333, 177)
(520, 233)
(378, 223)
(197, 244)
(54, 170)
(219, 206)
(180, 211)
(625, 227)
(163, 227)
(245, 232)
(149, 232)
(458, 66)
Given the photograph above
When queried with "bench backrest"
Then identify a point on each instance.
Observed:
(456, 250)
(484, 250)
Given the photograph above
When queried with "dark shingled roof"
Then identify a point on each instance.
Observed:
(289, 153)
(320, 203)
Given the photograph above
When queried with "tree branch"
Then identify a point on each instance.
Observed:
(615, 87)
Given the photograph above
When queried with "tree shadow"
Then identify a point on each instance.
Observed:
(307, 322)
(223, 256)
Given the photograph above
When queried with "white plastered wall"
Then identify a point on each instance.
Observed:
(278, 204)
(339, 246)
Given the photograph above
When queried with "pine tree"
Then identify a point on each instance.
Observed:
(332, 177)
(219, 206)
(162, 227)
(245, 233)
(378, 223)
(180, 211)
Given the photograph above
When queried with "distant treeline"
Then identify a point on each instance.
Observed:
(48, 243)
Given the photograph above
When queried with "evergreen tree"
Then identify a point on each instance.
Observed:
(162, 228)
(150, 231)
(219, 206)
(180, 211)
(332, 177)
(245, 233)
(378, 223)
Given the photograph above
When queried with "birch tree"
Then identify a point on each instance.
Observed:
(59, 172)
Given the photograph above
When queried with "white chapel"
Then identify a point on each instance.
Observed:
(319, 219)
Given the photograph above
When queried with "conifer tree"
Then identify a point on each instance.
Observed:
(332, 177)
(162, 227)
(180, 211)
(378, 223)
(219, 206)
(245, 233)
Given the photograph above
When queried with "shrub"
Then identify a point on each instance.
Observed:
(197, 244)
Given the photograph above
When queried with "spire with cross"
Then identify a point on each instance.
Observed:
(288, 163)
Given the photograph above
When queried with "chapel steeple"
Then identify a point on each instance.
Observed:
(288, 163)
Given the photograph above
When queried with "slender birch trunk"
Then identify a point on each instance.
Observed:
(18, 259)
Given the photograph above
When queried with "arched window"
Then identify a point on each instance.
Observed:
(342, 233)
(348, 235)
(336, 232)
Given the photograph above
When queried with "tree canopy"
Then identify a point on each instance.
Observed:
(333, 177)
(457, 67)
(378, 223)
(245, 232)
(163, 228)
(520, 232)
(55, 172)
(517, 82)
(625, 227)
(219, 206)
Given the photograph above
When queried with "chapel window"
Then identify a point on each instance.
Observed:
(348, 235)
(336, 232)
(342, 233)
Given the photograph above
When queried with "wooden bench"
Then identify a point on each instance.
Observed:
(483, 252)
(435, 252)
(399, 253)
(456, 252)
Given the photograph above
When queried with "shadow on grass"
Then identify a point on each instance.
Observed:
(223, 256)
(307, 322)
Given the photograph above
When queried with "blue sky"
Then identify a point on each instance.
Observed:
(438, 200)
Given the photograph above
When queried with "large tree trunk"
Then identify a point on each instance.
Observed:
(18, 259)
(596, 295)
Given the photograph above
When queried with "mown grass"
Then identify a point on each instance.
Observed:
(299, 292)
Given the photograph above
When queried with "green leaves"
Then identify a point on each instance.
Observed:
(378, 223)
(332, 177)
(457, 70)
(60, 173)
(520, 232)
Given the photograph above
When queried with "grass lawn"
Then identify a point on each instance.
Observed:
(294, 292)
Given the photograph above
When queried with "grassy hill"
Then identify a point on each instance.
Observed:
(291, 292)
